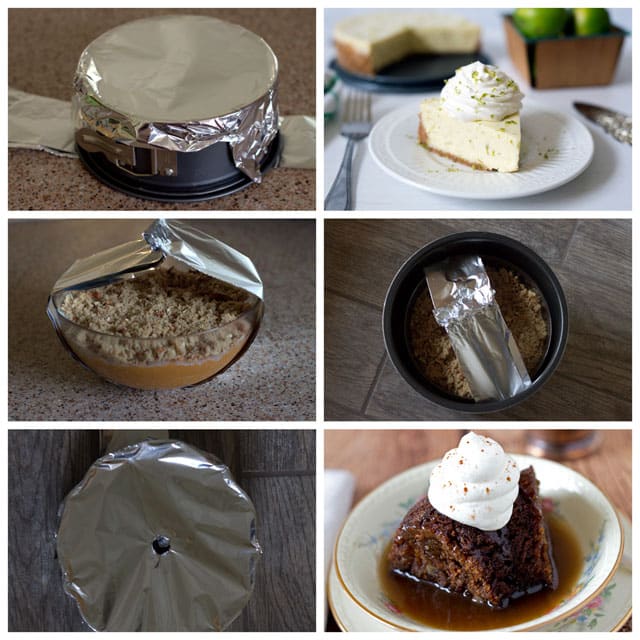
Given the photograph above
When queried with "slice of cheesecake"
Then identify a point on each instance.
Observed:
(482, 144)
(366, 43)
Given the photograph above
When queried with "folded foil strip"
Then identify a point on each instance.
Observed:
(181, 83)
(298, 135)
(37, 122)
(464, 304)
(163, 238)
(115, 439)
(158, 537)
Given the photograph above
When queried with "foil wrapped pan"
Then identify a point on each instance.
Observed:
(464, 304)
(158, 537)
(164, 238)
(180, 83)
(37, 122)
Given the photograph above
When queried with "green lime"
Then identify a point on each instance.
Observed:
(540, 23)
(590, 22)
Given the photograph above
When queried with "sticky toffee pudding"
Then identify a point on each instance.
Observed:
(479, 551)
(427, 604)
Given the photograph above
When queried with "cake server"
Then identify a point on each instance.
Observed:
(614, 123)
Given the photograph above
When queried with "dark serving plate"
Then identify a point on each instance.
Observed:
(411, 75)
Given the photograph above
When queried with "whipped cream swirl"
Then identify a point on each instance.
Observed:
(481, 92)
(476, 484)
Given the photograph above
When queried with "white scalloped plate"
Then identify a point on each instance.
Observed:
(556, 148)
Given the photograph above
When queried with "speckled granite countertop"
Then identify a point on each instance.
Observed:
(44, 47)
(274, 380)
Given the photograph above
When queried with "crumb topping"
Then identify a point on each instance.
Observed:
(159, 316)
(161, 303)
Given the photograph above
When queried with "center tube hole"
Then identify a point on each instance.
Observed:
(161, 545)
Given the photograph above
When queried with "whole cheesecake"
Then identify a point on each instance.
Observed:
(368, 42)
(476, 119)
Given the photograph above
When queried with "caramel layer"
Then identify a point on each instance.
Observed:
(164, 375)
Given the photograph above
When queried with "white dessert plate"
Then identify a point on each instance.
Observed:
(372, 523)
(555, 149)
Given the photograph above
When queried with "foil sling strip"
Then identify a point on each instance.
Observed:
(464, 304)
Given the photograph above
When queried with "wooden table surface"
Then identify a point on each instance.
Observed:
(374, 456)
(276, 468)
(592, 259)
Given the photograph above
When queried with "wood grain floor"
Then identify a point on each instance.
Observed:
(276, 468)
(592, 259)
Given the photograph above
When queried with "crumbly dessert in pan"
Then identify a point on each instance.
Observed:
(179, 309)
(523, 313)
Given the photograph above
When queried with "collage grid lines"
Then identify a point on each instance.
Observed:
(325, 421)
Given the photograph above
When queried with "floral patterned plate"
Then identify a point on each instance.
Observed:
(606, 612)
(373, 521)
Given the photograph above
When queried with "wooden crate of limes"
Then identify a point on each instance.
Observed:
(563, 47)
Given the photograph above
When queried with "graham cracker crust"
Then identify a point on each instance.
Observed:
(423, 139)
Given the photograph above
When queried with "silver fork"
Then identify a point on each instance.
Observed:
(356, 125)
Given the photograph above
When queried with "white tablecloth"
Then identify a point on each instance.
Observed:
(605, 185)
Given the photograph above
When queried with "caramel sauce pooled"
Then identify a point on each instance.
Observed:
(429, 605)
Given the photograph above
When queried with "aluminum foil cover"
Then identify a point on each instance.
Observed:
(181, 82)
(164, 238)
(37, 122)
(158, 537)
(464, 304)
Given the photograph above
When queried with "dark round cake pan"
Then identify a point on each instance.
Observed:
(493, 248)
(201, 175)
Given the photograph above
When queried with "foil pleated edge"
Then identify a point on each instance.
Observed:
(123, 454)
(248, 131)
